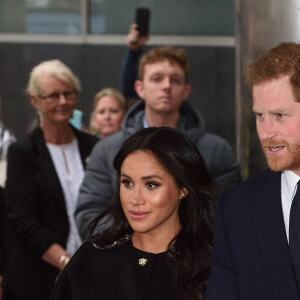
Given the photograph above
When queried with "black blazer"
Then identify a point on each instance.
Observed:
(36, 212)
(250, 259)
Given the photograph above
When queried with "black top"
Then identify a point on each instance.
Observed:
(121, 272)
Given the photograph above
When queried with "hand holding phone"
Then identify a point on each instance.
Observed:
(142, 19)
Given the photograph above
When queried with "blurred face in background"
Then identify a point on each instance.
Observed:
(108, 116)
(56, 100)
(163, 87)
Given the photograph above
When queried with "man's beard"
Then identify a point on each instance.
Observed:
(288, 160)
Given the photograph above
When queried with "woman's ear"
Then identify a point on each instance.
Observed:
(34, 101)
(183, 193)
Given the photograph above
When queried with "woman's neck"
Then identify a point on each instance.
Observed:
(58, 134)
(152, 242)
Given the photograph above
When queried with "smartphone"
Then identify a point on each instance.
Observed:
(142, 19)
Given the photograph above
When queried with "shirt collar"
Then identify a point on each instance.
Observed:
(291, 179)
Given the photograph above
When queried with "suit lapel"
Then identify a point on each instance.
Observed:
(269, 225)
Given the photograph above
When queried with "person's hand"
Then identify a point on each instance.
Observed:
(134, 41)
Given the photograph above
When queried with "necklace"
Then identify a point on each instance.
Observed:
(65, 159)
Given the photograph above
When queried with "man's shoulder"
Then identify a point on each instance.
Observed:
(253, 184)
(113, 141)
(108, 147)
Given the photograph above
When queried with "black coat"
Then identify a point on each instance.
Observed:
(115, 273)
(37, 214)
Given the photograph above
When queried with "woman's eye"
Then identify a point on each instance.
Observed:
(152, 185)
(127, 183)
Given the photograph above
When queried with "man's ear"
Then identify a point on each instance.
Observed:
(138, 85)
(187, 91)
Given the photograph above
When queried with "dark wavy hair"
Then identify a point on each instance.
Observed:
(191, 248)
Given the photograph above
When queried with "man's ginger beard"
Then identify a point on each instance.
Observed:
(290, 160)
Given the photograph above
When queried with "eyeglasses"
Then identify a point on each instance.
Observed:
(53, 98)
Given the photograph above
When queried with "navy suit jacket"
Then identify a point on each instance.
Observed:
(250, 260)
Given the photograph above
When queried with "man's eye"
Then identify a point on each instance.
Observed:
(156, 78)
(259, 116)
(177, 80)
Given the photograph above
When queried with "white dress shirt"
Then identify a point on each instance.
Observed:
(289, 182)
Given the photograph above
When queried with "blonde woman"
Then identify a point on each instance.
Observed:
(108, 112)
(44, 172)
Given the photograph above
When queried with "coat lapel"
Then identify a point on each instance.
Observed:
(269, 225)
(46, 169)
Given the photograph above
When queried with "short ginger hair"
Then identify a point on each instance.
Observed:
(282, 60)
(172, 55)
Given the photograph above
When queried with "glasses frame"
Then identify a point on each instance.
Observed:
(55, 97)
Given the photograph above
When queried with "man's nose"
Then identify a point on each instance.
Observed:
(167, 83)
(266, 129)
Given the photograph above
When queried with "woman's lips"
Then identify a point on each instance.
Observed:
(138, 215)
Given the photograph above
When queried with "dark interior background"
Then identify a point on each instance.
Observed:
(211, 77)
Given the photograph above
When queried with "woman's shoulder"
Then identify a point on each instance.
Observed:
(92, 256)
(86, 137)
(94, 247)
(98, 242)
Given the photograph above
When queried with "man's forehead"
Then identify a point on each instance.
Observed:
(163, 66)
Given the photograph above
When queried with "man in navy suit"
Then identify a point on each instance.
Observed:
(250, 259)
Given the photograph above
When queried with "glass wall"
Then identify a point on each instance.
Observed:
(168, 17)
(90, 37)
(41, 16)
(176, 17)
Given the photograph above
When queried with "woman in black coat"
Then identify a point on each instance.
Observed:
(44, 173)
(160, 239)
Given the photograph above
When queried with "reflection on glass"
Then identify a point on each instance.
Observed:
(41, 16)
(53, 16)
(189, 17)
(192, 17)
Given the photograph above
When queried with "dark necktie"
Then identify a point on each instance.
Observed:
(294, 235)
